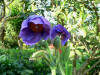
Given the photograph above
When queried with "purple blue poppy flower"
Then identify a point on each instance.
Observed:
(34, 28)
(62, 32)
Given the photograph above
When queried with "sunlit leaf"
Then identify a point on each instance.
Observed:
(38, 54)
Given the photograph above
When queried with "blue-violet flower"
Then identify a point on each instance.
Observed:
(34, 28)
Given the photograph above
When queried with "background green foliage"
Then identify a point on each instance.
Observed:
(16, 62)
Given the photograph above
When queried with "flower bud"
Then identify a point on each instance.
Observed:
(57, 42)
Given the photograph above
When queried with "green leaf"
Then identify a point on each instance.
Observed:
(78, 52)
(3, 58)
(65, 54)
(68, 68)
(38, 54)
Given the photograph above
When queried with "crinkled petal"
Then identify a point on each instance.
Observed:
(64, 41)
(67, 37)
(24, 24)
(46, 35)
(53, 33)
(59, 28)
(67, 33)
(29, 37)
(47, 28)
(46, 22)
(35, 19)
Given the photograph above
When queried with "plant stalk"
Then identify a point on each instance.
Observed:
(53, 71)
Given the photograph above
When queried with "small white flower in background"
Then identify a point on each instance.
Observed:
(74, 14)
(81, 32)
(49, 15)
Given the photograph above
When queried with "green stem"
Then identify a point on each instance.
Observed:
(61, 69)
(53, 71)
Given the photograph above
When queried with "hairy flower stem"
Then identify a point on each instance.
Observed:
(53, 71)
(61, 69)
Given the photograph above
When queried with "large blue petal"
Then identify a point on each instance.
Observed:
(46, 25)
(36, 20)
(67, 36)
(47, 28)
(46, 34)
(24, 24)
(53, 32)
(59, 28)
(30, 37)
(46, 22)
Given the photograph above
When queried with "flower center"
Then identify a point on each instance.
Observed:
(61, 35)
(35, 27)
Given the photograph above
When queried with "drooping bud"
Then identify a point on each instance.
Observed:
(57, 42)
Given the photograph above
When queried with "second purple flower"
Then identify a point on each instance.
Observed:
(62, 32)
